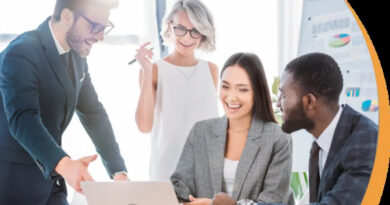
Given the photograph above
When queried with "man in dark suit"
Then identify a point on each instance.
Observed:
(343, 151)
(43, 79)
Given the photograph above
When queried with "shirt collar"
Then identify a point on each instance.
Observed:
(60, 49)
(326, 137)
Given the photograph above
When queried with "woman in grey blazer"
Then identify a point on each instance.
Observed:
(244, 153)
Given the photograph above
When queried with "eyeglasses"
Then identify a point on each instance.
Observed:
(97, 27)
(182, 31)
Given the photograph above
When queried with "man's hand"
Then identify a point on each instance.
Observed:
(121, 177)
(223, 199)
(197, 201)
(75, 171)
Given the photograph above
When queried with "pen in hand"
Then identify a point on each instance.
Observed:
(134, 60)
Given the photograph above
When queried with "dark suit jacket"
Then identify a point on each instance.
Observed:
(38, 99)
(350, 160)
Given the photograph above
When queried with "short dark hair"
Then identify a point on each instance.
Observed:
(251, 63)
(75, 5)
(317, 73)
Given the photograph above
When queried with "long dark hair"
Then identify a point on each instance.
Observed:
(262, 106)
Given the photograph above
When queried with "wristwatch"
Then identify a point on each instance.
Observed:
(245, 202)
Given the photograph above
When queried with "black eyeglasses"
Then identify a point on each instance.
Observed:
(182, 31)
(97, 27)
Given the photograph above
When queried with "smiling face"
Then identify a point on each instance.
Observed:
(79, 37)
(236, 93)
(185, 45)
(290, 103)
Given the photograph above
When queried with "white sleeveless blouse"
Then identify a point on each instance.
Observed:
(185, 95)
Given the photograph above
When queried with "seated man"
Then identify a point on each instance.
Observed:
(343, 150)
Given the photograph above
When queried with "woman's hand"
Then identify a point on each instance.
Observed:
(144, 57)
(223, 199)
(197, 201)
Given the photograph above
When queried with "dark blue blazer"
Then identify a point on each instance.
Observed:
(350, 160)
(38, 99)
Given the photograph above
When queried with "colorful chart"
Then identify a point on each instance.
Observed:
(339, 40)
(352, 92)
(370, 106)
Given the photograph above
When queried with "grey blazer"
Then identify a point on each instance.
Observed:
(263, 172)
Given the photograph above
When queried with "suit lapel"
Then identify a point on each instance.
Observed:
(56, 62)
(340, 135)
(248, 156)
(75, 67)
(216, 150)
(78, 73)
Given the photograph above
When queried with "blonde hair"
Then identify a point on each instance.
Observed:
(199, 15)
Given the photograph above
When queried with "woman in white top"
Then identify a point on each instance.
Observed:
(178, 90)
(245, 153)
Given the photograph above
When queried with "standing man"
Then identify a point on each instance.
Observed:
(344, 145)
(44, 78)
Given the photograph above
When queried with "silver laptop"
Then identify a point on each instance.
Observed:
(129, 193)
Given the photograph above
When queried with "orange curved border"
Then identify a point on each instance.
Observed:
(378, 176)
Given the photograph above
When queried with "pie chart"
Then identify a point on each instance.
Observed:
(370, 106)
(339, 40)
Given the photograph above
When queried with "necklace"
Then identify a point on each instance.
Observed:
(187, 72)
(239, 131)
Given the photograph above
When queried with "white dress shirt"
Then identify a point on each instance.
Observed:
(324, 141)
(60, 49)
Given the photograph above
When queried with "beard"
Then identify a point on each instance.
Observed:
(297, 119)
(75, 41)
